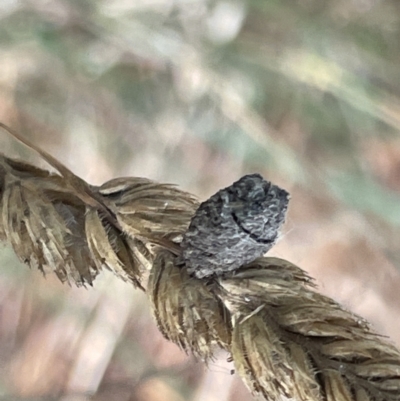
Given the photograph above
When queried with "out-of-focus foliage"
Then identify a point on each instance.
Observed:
(198, 93)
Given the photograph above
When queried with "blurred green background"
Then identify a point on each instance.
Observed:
(198, 93)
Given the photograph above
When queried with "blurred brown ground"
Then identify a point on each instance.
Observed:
(198, 93)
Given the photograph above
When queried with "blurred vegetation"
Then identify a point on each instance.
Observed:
(197, 93)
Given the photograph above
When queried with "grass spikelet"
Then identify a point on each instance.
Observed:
(43, 223)
(109, 247)
(273, 367)
(325, 346)
(186, 311)
(149, 209)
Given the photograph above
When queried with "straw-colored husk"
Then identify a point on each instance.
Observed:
(147, 208)
(288, 340)
(44, 222)
(186, 310)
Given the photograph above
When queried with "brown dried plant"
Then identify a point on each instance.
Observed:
(287, 340)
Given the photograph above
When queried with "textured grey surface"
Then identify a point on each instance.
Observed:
(235, 226)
